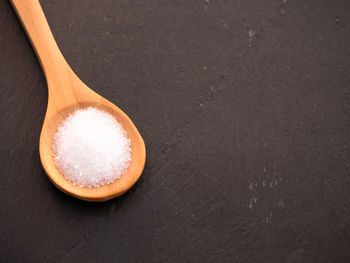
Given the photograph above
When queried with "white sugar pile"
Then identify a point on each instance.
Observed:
(91, 148)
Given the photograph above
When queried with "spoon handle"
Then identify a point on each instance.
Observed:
(33, 20)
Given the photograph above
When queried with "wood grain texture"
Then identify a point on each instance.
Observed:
(68, 93)
(247, 137)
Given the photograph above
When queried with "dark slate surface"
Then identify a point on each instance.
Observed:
(245, 110)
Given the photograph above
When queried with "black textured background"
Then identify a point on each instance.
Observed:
(244, 106)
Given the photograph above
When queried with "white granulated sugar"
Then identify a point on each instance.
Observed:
(91, 148)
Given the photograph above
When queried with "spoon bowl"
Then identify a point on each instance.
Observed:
(68, 93)
(107, 191)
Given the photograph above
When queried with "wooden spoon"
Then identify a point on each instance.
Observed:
(66, 94)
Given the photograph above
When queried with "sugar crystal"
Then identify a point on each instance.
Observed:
(91, 148)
